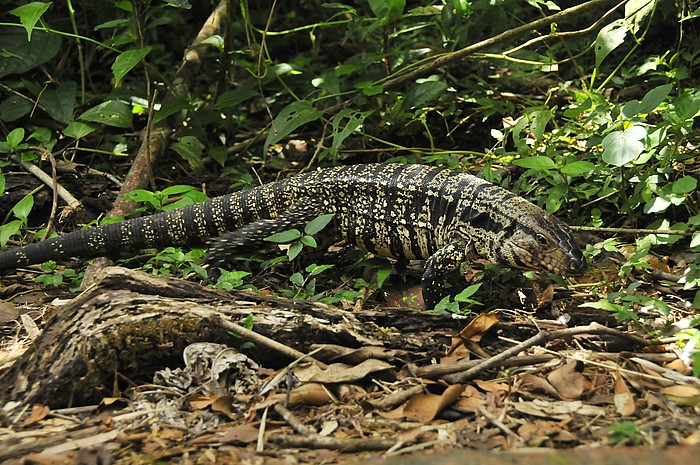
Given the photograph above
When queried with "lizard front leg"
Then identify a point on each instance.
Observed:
(437, 268)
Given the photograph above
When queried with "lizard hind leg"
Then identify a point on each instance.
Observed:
(227, 247)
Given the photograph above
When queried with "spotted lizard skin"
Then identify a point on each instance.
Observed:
(407, 212)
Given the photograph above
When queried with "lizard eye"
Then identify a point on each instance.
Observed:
(541, 240)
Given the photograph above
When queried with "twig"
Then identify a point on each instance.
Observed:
(308, 438)
(499, 424)
(48, 180)
(635, 231)
(542, 337)
(436, 371)
(263, 341)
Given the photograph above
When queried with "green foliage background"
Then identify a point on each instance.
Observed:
(593, 117)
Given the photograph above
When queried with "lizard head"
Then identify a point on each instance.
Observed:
(538, 241)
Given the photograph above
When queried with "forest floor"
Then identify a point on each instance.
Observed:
(324, 383)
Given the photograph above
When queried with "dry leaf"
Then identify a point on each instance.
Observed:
(623, 398)
(310, 394)
(241, 434)
(568, 382)
(683, 394)
(39, 412)
(8, 312)
(425, 407)
(339, 372)
(537, 383)
(476, 328)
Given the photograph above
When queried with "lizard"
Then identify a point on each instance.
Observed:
(405, 212)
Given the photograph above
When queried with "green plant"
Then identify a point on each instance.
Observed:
(161, 200)
(52, 277)
(170, 260)
(452, 304)
(624, 431)
(297, 239)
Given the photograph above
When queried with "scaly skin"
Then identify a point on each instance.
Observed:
(400, 211)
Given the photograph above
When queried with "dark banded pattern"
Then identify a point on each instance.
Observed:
(399, 211)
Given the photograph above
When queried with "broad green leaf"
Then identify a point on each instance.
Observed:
(355, 119)
(539, 163)
(465, 295)
(294, 250)
(636, 11)
(13, 107)
(309, 241)
(22, 209)
(314, 269)
(654, 97)
(77, 130)
(424, 92)
(112, 24)
(382, 275)
(170, 107)
(126, 61)
(695, 241)
(684, 185)
(317, 224)
(621, 147)
(20, 55)
(29, 14)
(657, 205)
(577, 168)
(8, 230)
(15, 137)
(290, 118)
(112, 113)
(538, 122)
(176, 190)
(284, 237)
(687, 105)
(60, 103)
(297, 279)
(609, 38)
(191, 149)
(387, 10)
(232, 98)
(2, 183)
(631, 109)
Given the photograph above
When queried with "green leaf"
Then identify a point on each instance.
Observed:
(15, 137)
(621, 147)
(14, 107)
(317, 224)
(112, 113)
(609, 38)
(577, 168)
(171, 106)
(8, 230)
(687, 105)
(309, 241)
(29, 14)
(684, 185)
(19, 55)
(636, 11)
(290, 118)
(126, 61)
(387, 10)
(297, 279)
(190, 149)
(538, 122)
(294, 250)
(176, 190)
(60, 103)
(382, 275)
(22, 209)
(654, 97)
(355, 120)
(424, 92)
(284, 237)
(539, 163)
(314, 269)
(465, 295)
(77, 130)
(232, 98)
(2, 183)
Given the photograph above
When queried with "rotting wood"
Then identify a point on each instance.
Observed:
(132, 324)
